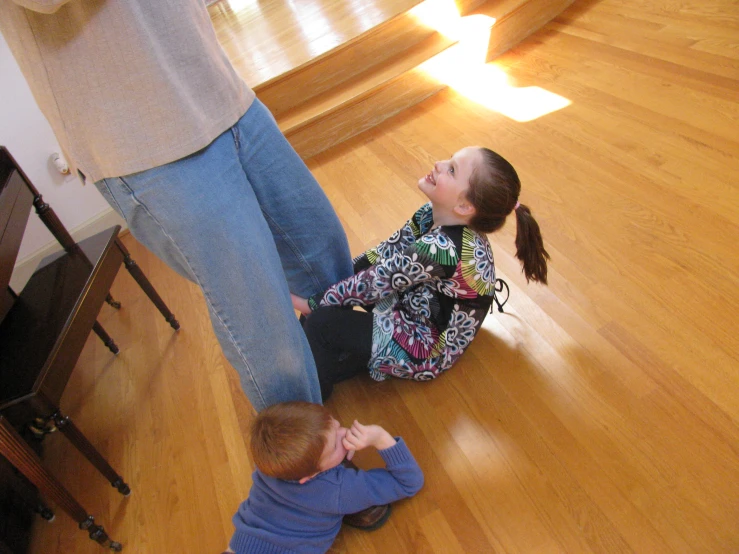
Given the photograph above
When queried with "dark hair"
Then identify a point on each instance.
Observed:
(287, 439)
(493, 191)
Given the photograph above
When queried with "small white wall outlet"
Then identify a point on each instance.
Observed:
(60, 163)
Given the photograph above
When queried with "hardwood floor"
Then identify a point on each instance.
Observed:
(266, 39)
(599, 414)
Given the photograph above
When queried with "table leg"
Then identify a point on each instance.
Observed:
(113, 302)
(28, 494)
(75, 436)
(105, 337)
(25, 460)
(147, 287)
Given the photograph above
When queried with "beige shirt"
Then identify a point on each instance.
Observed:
(126, 85)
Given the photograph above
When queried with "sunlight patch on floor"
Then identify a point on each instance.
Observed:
(440, 15)
(462, 67)
(482, 448)
(238, 5)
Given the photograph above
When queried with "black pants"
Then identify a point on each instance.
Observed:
(341, 342)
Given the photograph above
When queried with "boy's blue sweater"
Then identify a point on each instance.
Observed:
(285, 517)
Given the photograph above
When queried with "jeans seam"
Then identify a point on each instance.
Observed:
(298, 254)
(112, 197)
(197, 278)
(273, 224)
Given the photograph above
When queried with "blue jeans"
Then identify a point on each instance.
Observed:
(246, 221)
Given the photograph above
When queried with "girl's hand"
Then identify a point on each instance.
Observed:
(360, 436)
(300, 304)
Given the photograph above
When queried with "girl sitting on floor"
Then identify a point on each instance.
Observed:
(428, 287)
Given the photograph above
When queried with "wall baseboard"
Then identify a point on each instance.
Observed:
(25, 267)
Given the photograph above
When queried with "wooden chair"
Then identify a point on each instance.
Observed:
(43, 330)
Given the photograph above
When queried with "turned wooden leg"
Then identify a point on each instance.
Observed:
(44, 511)
(147, 287)
(98, 534)
(28, 463)
(75, 436)
(113, 302)
(28, 494)
(105, 337)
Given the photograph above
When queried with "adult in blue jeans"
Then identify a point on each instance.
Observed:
(146, 105)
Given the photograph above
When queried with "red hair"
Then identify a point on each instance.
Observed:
(288, 439)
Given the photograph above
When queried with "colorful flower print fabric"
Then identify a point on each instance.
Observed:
(429, 290)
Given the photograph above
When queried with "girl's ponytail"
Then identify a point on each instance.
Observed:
(530, 246)
(494, 191)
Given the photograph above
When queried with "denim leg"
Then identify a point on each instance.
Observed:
(144, 228)
(308, 234)
(202, 216)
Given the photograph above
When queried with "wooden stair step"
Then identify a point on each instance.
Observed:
(363, 113)
(362, 85)
(270, 38)
(517, 19)
(331, 69)
(357, 95)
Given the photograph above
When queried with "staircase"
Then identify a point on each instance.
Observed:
(382, 71)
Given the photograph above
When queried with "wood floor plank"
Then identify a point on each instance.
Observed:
(267, 39)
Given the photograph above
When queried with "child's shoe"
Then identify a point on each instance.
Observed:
(370, 519)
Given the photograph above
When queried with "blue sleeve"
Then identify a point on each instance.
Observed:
(402, 477)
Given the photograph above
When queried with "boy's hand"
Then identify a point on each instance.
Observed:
(300, 304)
(360, 436)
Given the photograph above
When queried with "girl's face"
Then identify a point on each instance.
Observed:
(446, 186)
(334, 451)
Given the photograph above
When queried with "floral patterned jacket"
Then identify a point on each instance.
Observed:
(430, 291)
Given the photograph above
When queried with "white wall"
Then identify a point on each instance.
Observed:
(29, 138)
